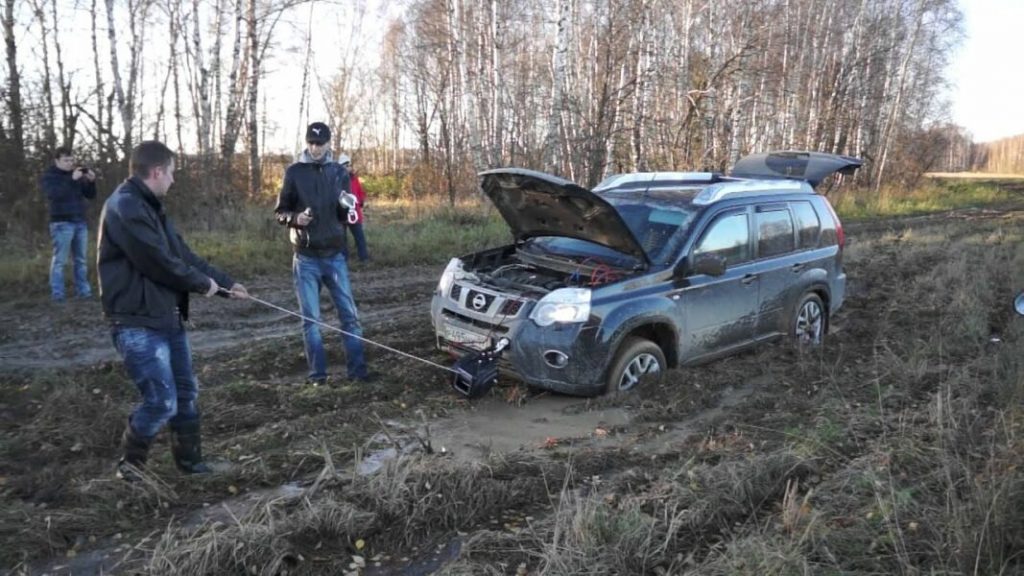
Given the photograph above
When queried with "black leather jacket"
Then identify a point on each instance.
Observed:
(146, 270)
(317, 186)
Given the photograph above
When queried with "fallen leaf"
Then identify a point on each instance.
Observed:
(233, 489)
(360, 544)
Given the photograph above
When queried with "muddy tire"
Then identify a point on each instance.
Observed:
(636, 357)
(809, 323)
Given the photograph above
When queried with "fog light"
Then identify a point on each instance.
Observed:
(555, 359)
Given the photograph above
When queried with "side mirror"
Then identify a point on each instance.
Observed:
(709, 265)
(1018, 303)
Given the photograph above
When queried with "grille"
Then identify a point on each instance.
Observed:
(455, 292)
(478, 301)
(491, 328)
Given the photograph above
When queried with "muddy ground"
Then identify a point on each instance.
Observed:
(767, 455)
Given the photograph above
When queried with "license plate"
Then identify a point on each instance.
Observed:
(466, 338)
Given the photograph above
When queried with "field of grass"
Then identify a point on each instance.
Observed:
(895, 449)
(250, 243)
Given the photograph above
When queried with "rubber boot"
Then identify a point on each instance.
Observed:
(136, 448)
(187, 448)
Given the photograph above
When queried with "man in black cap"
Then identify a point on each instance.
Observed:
(314, 203)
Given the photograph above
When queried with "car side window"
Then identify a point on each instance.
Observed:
(774, 233)
(807, 225)
(728, 237)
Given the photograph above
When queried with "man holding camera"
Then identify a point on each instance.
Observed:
(67, 187)
(314, 203)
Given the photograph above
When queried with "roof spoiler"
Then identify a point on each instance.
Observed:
(812, 167)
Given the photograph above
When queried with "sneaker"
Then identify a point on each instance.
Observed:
(317, 382)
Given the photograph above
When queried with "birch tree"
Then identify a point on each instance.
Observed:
(15, 110)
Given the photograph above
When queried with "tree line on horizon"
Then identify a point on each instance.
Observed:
(578, 88)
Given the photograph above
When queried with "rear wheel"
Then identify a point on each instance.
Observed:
(809, 321)
(636, 357)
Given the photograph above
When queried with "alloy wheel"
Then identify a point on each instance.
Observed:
(640, 365)
(810, 323)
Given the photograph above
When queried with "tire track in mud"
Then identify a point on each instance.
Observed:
(73, 335)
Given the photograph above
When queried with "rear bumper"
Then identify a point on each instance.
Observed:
(838, 293)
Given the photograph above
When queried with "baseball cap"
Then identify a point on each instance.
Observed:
(318, 132)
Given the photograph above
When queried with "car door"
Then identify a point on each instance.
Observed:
(720, 311)
(779, 265)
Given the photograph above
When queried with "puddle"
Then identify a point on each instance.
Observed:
(493, 426)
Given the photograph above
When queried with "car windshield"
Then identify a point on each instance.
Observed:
(659, 228)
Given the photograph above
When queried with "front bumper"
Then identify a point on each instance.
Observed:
(566, 358)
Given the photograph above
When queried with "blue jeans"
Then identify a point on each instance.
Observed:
(73, 237)
(160, 364)
(310, 275)
(360, 237)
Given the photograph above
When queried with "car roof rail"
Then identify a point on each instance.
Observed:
(741, 188)
(649, 180)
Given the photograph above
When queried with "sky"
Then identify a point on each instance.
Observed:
(988, 92)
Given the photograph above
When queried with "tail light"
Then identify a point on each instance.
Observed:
(840, 235)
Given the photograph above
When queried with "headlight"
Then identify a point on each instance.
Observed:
(448, 276)
(562, 305)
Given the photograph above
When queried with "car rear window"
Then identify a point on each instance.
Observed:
(774, 233)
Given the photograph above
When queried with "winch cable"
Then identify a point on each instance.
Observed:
(346, 333)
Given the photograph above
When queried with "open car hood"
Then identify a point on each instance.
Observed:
(537, 204)
(793, 165)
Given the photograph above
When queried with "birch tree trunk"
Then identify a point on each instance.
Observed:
(68, 113)
(49, 131)
(553, 141)
(236, 90)
(205, 107)
(254, 84)
(895, 110)
(137, 13)
(14, 105)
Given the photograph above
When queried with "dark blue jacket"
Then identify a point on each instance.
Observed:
(65, 195)
(146, 270)
(317, 186)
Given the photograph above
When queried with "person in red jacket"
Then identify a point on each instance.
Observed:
(355, 217)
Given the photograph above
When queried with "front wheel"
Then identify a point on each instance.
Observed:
(636, 357)
(809, 322)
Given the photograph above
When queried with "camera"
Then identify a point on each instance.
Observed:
(83, 168)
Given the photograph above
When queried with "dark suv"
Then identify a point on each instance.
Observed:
(648, 270)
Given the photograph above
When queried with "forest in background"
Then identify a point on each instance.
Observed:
(578, 88)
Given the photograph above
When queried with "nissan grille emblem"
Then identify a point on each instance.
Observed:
(479, 301)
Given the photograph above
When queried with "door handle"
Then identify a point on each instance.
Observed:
(797, 267)
(748, 279)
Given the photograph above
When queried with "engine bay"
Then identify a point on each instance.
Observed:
(512, 270)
